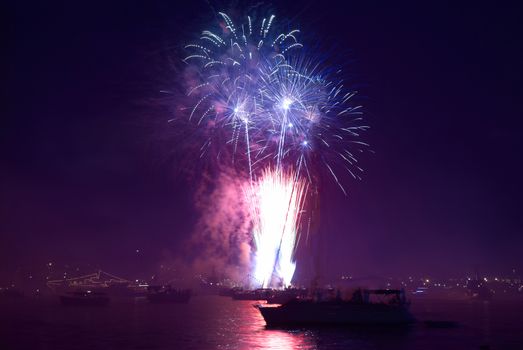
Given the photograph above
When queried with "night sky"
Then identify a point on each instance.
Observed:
(84, 180)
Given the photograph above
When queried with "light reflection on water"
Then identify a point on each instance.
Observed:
(212, 322)
(278, 339)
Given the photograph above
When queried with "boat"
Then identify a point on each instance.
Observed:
(391, 308)
(84, 298)
(10, 293)
(167, 294)
(477, 290)
(285, 295)
(256, 294)
(226, 292)
(101, 281)
(272, 296)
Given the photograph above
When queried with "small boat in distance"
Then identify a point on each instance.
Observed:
(84, 298)
(166, 294)
(256, 294)
(285, 295)
(477, 290)
(272, 296)
(10, 293)
(391, 308)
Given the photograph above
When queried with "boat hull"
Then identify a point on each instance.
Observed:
(335, 313)
(170, 297)
(80, 301)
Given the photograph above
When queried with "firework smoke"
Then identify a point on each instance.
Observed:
(220, 245)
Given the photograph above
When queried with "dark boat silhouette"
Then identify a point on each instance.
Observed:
(10, 293)
(256, 294)
(272, 296)
(358, 311)
(285, 295)
(477, 290)
(84, 298)
(441, 324)
(166, 294)
(99, 281)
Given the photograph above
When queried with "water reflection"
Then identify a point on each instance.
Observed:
(253, 334)
(221, 323)
(270, 339)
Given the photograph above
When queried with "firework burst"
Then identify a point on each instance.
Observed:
(254, 90)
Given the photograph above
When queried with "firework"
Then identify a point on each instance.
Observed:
(254, 90)
(276, 201)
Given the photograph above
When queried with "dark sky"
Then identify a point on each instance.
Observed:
(82, 179)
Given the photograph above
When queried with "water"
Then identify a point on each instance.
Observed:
(213, 322)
